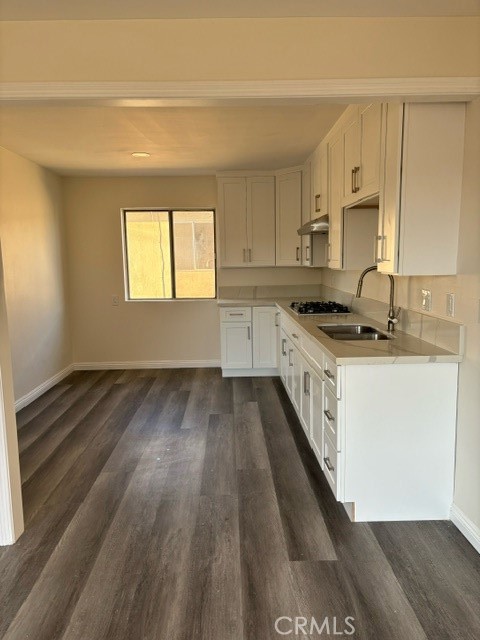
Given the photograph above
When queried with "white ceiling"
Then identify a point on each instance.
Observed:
(142, 9)
(99, 140)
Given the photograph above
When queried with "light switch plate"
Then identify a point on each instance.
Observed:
(426, 300)
(115, 301)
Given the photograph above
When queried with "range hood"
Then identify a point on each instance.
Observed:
(319, 225)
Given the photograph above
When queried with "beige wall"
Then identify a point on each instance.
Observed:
(31, 232)
(265, 277)
(133, 331)
(220, 49)
(466, 287)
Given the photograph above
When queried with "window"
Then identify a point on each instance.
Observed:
(169, 254)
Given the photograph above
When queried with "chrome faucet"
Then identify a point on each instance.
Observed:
(393, 311)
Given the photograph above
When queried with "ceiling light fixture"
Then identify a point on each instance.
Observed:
(140, 154)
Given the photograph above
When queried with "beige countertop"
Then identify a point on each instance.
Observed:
(401, 349)
(252, 302)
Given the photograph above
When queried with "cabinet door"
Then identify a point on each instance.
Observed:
(264, 337)
(388, 230)
(288, 218)
(323, 204)
(316, 418)
(306, 399)
(261, 221)
(290, 367)
(232, 205)
(351, 151)
(297, 381)
(283, 350)
(307, 182)
(306, 242)
(320, 181)
(368, 177)
(336, 175)
(306, 254)
(236, 339)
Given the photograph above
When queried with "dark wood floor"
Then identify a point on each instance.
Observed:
(165, 505)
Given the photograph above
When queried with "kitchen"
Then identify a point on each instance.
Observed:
(108, 337)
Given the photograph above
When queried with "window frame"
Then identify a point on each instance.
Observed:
(170, 211)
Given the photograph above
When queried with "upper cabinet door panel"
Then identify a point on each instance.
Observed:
(289, 218)
(261, 221)
(421, 188)
(361, 148)
(307, 188)
(232, 204)
(368, 176)
(351, 157)
(335, 233)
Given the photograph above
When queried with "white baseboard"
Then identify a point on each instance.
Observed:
(466, 526)
(147, 364)
(42, 388)
(249, 373)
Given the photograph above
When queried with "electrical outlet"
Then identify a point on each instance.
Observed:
(451, 305)
(115, 301)
(426, 300)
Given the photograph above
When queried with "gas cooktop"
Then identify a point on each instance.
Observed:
(318, 308)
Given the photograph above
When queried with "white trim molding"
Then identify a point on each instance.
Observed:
(209, 92)
(466, 526)
(147, 364)
(42, 388)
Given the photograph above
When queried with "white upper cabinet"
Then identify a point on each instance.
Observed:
(420, 191)
(261, 221)
(288, 218)
(232, 221)
(319, 206)
(335, 174)
(246, 208)
(306, 240)
(362, 149)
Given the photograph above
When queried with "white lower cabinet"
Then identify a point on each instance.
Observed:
(316, 416)
(383, 434)
(264, 337)
(249, 338)
(236, 340)
(305, 403)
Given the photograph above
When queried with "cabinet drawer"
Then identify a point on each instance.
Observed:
(314, 353)
(292, 331)
(330, 466)
(331, 417)
(235, 314)
(331, 375)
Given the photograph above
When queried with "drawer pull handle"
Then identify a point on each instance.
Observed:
(235, 314)
(294, 335)
(284, 345)
(329, 416)
(290, 363)
(328, 464)
(329, 374)
(277, 316)
(306, 383)
(248, 333)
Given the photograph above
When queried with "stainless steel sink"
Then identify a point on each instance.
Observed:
(353, 332)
